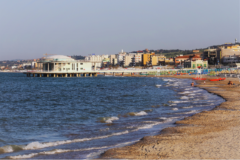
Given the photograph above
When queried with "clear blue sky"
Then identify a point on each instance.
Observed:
(30, 28)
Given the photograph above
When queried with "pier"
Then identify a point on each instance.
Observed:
(60, 74)
(113, 72)
(89, 73)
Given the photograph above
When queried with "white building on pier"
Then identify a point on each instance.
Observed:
(61, 63)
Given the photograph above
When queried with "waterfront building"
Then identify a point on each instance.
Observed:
(161, 59)
(114, 61)
(64, 64)
(34, 64)
(154, 60)
(225, 54)
(137, 59)
(169, 61)
(112, 57)
(27, 65)
(127, 60)
(146, 58)
(96, 60)
(120, 58)
(181, 59)
(195, 64)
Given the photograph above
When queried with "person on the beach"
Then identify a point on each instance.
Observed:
(192, 84)
(230, 83)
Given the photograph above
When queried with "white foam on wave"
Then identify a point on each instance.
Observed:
(170, 80)
(158, 85)
(192, 111)
(147, 126)
(177, 84)
(191, 94)
(38, 145)
(23, 156)
(57, 151)
(184, 97)
(174, 109)
(169, 119)
(93, 155)
(162, 118)
(188, 107)
(173, 104)
(141, 113)
(179, 101)
(7, 149)
(185, 92)
(197, 90)
(109, 120)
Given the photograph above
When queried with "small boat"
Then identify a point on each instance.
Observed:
(219, 79)
(203, 79)
(215, 79)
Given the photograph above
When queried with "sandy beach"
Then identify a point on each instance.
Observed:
(210, 134)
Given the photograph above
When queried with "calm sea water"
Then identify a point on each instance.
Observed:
(82, 117)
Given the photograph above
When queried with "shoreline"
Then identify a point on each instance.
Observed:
(209, 134)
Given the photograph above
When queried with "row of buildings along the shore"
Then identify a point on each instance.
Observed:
(225, 54)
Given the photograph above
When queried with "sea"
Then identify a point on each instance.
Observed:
(81, 117)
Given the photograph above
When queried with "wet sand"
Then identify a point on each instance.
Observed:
(213, 134)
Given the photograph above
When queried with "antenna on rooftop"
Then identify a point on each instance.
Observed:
(235, 40)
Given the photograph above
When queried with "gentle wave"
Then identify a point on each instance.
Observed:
(184, 97)
(57, 151)
(169, 80)
(178, 101)
(147, 126)
(190, 112)
(141, 113)
(109, 120)
(185, 92)
(188, 107)
(38, 145)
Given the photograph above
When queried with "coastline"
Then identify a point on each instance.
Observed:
(208, 134)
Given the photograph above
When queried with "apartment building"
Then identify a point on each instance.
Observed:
(96, 59)
(146, 58)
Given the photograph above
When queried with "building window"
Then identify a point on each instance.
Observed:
(81, 63)
(68, 63)
(63, 68)
(81, 68)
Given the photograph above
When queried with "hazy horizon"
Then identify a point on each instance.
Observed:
(31, 28)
